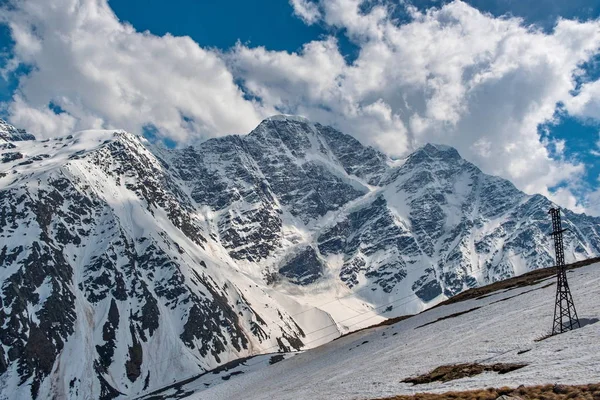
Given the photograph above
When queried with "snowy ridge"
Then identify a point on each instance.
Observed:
(159, 264)
(287, 117)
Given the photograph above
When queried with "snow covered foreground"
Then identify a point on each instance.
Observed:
(373, 363)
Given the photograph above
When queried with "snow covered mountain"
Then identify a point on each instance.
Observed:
(126, 266)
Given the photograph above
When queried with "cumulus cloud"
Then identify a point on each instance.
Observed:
(105, 74)
(306, 10)
(449, 75)
(592, 200)
(586, 104)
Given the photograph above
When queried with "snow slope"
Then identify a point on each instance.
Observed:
(500, 328)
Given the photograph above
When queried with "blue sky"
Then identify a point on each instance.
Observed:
(220, 24)
(262, 56)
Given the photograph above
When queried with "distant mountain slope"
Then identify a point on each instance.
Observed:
(125, 266)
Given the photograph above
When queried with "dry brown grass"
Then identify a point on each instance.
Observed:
(447, 373)
(546, 392)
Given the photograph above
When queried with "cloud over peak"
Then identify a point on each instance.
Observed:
(447, 75)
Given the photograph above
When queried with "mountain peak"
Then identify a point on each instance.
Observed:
(290, 129)
(288, 118)
(281, 121)
(438, 151)
(439, 147)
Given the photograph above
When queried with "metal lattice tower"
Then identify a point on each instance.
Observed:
(565, 316)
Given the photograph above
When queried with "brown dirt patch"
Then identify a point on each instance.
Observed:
(544, 392)
(447, 373)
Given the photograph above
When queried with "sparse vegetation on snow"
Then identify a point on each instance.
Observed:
(541, 392)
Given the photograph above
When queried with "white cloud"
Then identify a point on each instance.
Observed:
(559, 146)
(587, 103)
(592, 201)
(41, 119)
(306, 10)
(596, 151)
(105, 74)
(451, 75)
(565, 198)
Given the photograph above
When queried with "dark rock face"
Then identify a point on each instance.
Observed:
(7, 146)
(253, 235)
(222, 175)
(447, 205)
(363, 162)
(427, 287)
(362, 234)
(11, 156)
(304, 268)
(36, 341)
(307, 188)
(249, 179)
(107, 350)
(136, 166)
(135, 359)
(209, 316)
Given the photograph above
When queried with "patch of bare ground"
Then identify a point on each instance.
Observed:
(545, 392)
(452, 372)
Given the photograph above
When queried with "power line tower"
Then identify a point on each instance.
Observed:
(565, 316)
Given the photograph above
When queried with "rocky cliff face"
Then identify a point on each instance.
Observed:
(125, 266)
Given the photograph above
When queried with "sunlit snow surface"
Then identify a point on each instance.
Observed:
(373, 363)
(217, 376)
